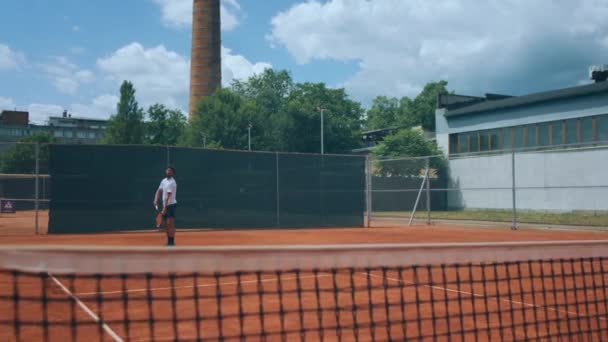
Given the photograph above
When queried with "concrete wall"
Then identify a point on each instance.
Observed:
(552, 181)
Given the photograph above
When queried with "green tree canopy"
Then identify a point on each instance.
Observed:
(127, 125)
(21, 157)
(390, 112)
(402, 144)
(383, 113)
(302, 124)
(221, 120)
(424, 105)
(284, 116)
(165, 126)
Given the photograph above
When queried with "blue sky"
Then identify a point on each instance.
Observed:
(74, 54)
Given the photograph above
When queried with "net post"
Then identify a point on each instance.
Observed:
(428, 191)
(514, 223)
(36, 187)
(278, 210)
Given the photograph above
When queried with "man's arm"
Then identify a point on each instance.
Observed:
(157, 196)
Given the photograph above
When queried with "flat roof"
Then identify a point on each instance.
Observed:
(525, 100)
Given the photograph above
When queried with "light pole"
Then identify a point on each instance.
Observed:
(322, 110)
(249, 136)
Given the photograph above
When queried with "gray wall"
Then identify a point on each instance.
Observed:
(551, 180)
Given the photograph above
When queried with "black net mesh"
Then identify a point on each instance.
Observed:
(553, 299)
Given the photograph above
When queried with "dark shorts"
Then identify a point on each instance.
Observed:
(170, 211)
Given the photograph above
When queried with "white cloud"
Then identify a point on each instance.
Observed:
(9, 59)
(39, 113)
(6, 103)
(400, 45)
(237, 67)
(102, 107)
(67, 77)
(163, 76)
(178, 13)
(159, 75)
(76, 28)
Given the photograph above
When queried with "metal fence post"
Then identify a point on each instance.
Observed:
(369, 191)
(277, 191)
(514, 224)
(168, 156)
(36, 187)
(428, 190)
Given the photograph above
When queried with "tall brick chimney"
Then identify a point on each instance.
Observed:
(206, 65)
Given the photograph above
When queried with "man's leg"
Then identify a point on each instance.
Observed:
(170, 231)
(170, 223)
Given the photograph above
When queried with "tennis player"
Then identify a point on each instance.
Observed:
(168, 190)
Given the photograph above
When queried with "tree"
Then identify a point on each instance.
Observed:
(389, 112)
(407, 143)
(21, 158)
(269, 93)
(302, 125)
(423, 107)
(221, 120)
(127, 125)
(383, 113)
(165, 126)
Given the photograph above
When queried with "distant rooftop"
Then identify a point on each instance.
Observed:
(458, 105)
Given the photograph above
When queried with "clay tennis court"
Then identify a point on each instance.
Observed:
(486, 302)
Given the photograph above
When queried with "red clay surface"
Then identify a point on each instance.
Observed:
(575, 300)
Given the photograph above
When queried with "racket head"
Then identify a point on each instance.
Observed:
(159, 219)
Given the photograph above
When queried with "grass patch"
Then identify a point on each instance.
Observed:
(583, 218)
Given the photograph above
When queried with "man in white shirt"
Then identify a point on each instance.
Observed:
(168, 189)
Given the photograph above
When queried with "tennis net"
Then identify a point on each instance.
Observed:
(460, 292)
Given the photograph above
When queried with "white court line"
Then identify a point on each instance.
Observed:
(479, 295)
(86, 309)
(192, 286)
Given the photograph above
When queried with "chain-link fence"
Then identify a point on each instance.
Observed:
(24, 188)
(548, 188)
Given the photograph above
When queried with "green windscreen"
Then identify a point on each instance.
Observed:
(111, 188)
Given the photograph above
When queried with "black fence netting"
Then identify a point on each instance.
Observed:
(111, 188)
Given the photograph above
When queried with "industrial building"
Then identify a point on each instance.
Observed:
(560, 139)
(15, 125)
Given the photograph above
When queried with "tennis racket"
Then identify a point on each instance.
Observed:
(159, 217)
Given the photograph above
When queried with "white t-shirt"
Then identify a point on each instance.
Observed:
(169, 186)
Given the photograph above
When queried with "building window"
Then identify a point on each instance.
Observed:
(91, 135)
(463, 143)
(474, 145)
(557, 133)
(69, 134)
(530, 137)
(58, 133)
(507, 138)
(602, 128)
(495, 140)
(518, 137)
(543, 134)
(81, 134)
(453, 143)
(571, 131)
(484, 141)
(586, 130)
